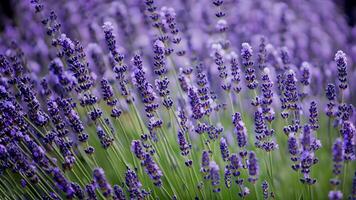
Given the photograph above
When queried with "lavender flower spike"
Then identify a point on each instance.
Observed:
(246, 56)
(341, 62)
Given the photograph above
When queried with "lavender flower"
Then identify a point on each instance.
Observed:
(235, 73)
(205, 160)
(240, 130)
(227, 177)
(265, 190)
(119, 67)
(152, 170)
(335, 195)
(134, 185)
(184, 146)
(267, 100)
(331, 95)
(338, 156)
(341, 62)
(313, 116)
(253, 167)
(119, 193)
(348, 132)
(101, 182)
(137, 149)
(293, 148)
(214, 176)
(160, 70)
(224, 149)
(246, 55)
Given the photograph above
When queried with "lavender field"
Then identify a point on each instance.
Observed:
(177, 99)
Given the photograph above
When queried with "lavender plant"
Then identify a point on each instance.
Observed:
(149, 99)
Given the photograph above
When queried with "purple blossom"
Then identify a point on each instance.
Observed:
(341, 62)
(338, 156)
(335, 195)
(214, 176)
(225, 153)
(246, 56)
(101, 182)
(253, 167)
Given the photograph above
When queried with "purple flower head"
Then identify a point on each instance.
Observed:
(290, 91)
(195, 104)
(305, 74)
(266, 88)
(152, 170)
(225, 153)
(119, 194)
(214, 176)
(293, 148)
(240, 130)
(78, 191)
(184, 146)
(134, 185)
(313, 116)
(62, 182)
(90, 190)
(227, 176)
(105, 139)
(203, 91)
(137, 149)
(235, 73)
(341, 62)
(262, 53)
(219, 61)
(205, 160)
(107, 93)
(253, 167)
(246, 56)
(338, 156)
(331, 95)
(335, 195)
(330, 92)
(101, 182)
(348, 132)
(235, 164)
(265, 190)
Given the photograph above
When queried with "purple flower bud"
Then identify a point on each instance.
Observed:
(262, 53)
(348, 132)
(152, 169)
(101, 182)
(227, 177)
(119, 194)
(235, 73)
(225, 153)
(90, 190)
(338, 156)
(134, 185)
(205, 160)
(313, 116)
(184, 146)
(265, 190)
(246, 55)
(341, 62)
(305, 74)
(240, 130)
(235, 164)
(335, 195)
(137, 149)
(253, 168)
(214, 176)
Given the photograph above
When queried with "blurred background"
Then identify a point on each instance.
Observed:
(346, 6)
